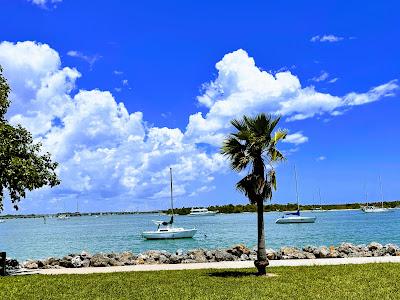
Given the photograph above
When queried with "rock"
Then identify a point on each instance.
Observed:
(292, 253)
(175, 259)
(76, 262)
(85, 254)
(271, 254)
(31, 264)
(163, 259)
(51, 261)
(333, 253)
(210, 255)
(12, 263)
(197, 255)
(99, 260)
(221, 255)
(126, 258)
(374, 246)
(310, 249)
(348, 248)
(66, 262)
(244, 257)
(391, 249)
(238, 250)
(85, 263)
(153, 255)
(322, 252)
(114, 263)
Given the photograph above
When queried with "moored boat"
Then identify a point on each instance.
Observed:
(166, 230)
(295, 217)
(198, 212)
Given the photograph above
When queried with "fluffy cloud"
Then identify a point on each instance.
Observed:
(242, 88)
(326, 38)
(103, 149)
(296, 138)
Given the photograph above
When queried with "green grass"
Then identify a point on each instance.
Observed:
(372, 281)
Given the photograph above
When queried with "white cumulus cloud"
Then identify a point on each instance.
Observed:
(43, 3)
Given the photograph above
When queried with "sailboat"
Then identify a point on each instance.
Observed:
(318, 209)
(374, 209)
(166, 230)
(295, 217)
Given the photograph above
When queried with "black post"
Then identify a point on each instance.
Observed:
(2, 264)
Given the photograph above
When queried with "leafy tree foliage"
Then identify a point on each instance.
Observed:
(23, 166)
(253, 147)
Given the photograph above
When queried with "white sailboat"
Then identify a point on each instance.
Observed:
(166, 230)
(295, 217)
(374, 209)
(318, 209)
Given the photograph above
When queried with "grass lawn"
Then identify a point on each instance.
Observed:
(371, 281)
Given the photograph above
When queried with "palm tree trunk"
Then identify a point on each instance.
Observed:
(262, 261)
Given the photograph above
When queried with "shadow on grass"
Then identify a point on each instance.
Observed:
(236, 274)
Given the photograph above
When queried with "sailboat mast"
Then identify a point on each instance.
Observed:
(380, 184)
(297, 189)
(320, 199)
(172, 200)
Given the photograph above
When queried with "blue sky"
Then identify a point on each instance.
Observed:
(329, 68)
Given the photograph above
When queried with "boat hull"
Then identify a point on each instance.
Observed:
(291, 220)
(202, 214)
(163, 235)
(376, 210)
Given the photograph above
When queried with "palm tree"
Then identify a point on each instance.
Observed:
(253, 147)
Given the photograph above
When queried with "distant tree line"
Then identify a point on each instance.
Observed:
(240, 208)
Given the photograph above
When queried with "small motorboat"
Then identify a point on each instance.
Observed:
(295, 217)
(201, 212)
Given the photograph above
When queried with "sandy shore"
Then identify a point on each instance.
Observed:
(218, 265)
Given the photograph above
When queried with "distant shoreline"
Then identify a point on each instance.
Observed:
(223, 209)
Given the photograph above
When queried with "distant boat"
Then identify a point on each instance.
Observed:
(63, 217)
(318, 209)
(295, 217)
(166, 230)
(2, 221)
(374, 209)
(199, 212)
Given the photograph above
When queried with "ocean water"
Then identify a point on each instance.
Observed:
(32, 238)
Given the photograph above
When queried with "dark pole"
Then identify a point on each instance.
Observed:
(2, 264)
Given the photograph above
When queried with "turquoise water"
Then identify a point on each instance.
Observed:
(31, 238)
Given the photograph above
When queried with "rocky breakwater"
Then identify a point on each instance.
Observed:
(235, 253)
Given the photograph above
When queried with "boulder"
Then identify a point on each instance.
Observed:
(85, 263)
(348, 248)
(114, 263)
(292, 253)
(175, 259)
(163, 259)
(66, 262)
(99, 260)
(238, 250)
(12, 263)
(180, 252)
(126, 258)
(221, 255)
(391, 249)
(197, 255)
(310, 249)
(31, 264)
(271, 254)
(244, 257)
(76, 262)
(85, 254)
(322, 252)
(374, 246)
